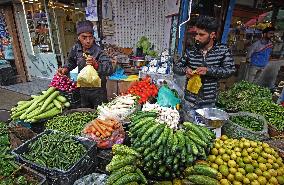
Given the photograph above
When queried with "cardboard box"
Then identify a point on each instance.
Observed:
(116, 87)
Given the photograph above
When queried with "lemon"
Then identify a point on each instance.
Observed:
(243, 171)
(268, 150)
(270, 161)
(247, 144)
(275, 166)
(237, 149)
(262, 167)
(232, 163)
(255, 164)
(272, 172)
(225, 182)
(244, 153)
(280, 171)
(228, 151)
(279, 161)
(217, 145)
(250, 176)
(239, 154)
(262, 180)
(219, 176)
(257, 150)
(261, 160)
(264, 155)
(246, 181)
(273, 180)
(214, 151)
(231, 177)
(224, 170)
(254, 176)
(215, 166)
(249, 168)
(253, 144)
(258, 172)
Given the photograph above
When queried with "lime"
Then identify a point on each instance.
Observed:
(211, 158)
(224, 170)
(225, 157)
(246, 160)
(280, 179)
(237, 183)
(214, 151)
(254, 155)
(225, 182)
(233, 170)
(264, 155)
(261, 160)
(229, 151)
(243, 171)
(231, 177)
(246, 181)
(244, 153)
(250, 176)
(215, 166)
(253, 144)
(239, 176)
(219, 161)
(232, 163)
(250, 150)
(233, 156)
(262, 167)
(272, 172)
(258, 172)
(275, 166)
(266, 174)
(247, 144)
(279, 161)
(262, 180)
(239, 154)
(255, 182)
(268, 165)
(257, 150)
(273, 180)
(268, 150)
(249, 168)
(280, 171)
(254, 164)
(237, 149)
(270, 161)
(224, 137)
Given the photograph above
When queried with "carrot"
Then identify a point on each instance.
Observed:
(108, 133)
(106, 123)
(98, 128)
(110, 129)
(93, 129)
(102, 126)
(98, 134)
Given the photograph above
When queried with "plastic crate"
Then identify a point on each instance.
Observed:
(104, 158)
(74, 98)
(57, 176)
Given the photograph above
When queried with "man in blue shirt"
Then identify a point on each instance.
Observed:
(259, 53)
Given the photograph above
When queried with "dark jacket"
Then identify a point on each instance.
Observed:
(220, 65)
(76, 58)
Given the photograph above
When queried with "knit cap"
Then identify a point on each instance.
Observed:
(84, 27)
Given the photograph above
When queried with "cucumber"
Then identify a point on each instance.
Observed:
(193, 146)
(119, 149)
(205, 170)
(189, 159)
(187, 145)
(181, 139)
(170, 139)
(121, 172)
(208, 132)
(131, 177)
(157, 133)
(202, 180)
(166, 135)
(142, 177)
(144, 129)
(140, 124)
(117, 164)
(149, 132)
(175, 143)
(160, 139)
(195, 138)
(193, 127)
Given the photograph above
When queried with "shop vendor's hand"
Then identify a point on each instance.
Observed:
(62, 71)
(92, 61)
(189, 72)
(201, 70)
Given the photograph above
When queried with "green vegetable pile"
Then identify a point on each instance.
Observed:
(248, 97)
(7, 163)
(72, 123)
(165, 152)
(55, 150)
(124, 167)
(248, 122)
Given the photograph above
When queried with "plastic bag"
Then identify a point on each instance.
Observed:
(167, 98)
(88, 77)
(117, 134)
(194, 84)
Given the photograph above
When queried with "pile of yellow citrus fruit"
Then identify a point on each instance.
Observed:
(246, 162)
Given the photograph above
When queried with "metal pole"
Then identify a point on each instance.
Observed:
(228, 21)
(184, 17)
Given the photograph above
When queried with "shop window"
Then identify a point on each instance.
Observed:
(6, 49)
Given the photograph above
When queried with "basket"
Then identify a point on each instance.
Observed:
(236, 131)
(31, 175)
(273, 132)
(56, 176)
(278, 144)
(104, 158)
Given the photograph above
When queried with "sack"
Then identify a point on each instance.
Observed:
(234, 130)
(167, 98)
(194, 84)
(88, 77)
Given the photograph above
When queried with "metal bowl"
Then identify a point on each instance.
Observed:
(213, 117)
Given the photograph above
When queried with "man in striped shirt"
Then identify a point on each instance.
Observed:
(210, 60)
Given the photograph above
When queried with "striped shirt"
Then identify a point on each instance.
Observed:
(220, 65)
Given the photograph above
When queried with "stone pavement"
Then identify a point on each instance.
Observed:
(10, 98)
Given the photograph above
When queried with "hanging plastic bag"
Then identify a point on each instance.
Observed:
(194, 84)
(88, 77)
(167, 98)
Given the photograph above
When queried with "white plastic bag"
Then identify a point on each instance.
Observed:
(88, 77)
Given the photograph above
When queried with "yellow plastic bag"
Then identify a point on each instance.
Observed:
(194, 84)
(88, 77)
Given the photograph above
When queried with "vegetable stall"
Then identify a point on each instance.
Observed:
(146, 140)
